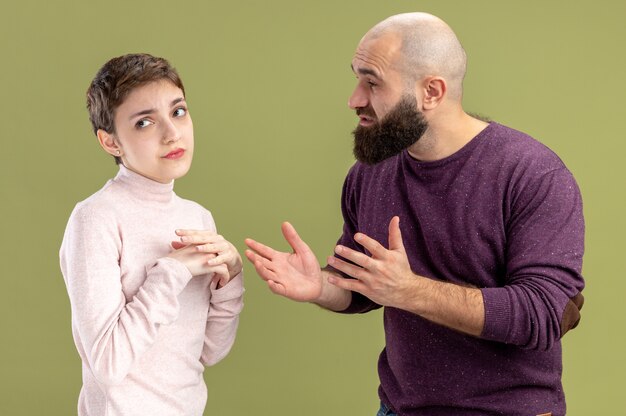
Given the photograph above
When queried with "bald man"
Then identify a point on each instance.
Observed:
(468, 233)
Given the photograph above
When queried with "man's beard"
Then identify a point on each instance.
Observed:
(398, 130)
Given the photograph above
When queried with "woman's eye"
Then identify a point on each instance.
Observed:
(143, 123)
(180, 111)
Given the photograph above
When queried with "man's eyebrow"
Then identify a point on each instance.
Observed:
(365, 71)
(152, 110)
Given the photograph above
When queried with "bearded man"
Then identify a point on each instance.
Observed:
(467, 232)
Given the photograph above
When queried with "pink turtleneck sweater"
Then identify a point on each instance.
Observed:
(143, 326)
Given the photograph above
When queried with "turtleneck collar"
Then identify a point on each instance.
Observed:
(144, 188)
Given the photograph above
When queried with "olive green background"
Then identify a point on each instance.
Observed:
(267, 84)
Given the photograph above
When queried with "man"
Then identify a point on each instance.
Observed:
(468, 233)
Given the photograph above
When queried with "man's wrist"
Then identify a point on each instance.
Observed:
(332, 297)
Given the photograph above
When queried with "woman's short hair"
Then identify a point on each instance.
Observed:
(116, 79)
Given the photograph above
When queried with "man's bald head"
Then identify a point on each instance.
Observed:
(429, 47)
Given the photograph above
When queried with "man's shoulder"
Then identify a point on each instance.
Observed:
(517, 148)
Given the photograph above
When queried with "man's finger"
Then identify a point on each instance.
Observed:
(347, 284)
(395, 235)
(348, 268)
(260, 248)
(294, 240)
(261, 265)
(277, 288)
(356, 257)
(371, 245)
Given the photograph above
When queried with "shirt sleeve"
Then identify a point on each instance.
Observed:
(349, 200)
(113, 333)
(541, 297)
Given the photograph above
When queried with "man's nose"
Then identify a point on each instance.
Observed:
(358, 99)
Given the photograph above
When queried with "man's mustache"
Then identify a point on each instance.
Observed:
(366, 111)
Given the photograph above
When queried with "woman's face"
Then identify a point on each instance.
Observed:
(154, 132)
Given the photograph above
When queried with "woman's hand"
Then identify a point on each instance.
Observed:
(197, 262)
(222, 252)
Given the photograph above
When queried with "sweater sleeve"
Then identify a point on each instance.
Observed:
(222, 320)
(541, 296)
(349, 200)
(113, 333)
(224, 307)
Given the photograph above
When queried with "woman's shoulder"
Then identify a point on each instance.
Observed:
(100, 206)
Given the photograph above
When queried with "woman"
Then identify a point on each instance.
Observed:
(155, 293)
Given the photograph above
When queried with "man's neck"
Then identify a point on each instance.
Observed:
(446, 136)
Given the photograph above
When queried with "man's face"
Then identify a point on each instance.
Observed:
(380, 84)
(399, 129)
(389, 121)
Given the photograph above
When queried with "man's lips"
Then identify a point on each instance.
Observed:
(365, 120)
(175, 154)
(366, 116)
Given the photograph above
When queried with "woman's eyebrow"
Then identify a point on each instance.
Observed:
(142, 113)
(176, 101)
(152, 110)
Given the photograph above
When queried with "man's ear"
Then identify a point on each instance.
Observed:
(434, 90)
(108, 143)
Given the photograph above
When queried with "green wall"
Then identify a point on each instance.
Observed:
(268, 82)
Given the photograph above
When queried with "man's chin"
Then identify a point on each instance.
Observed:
(374, 161)
(372, 158)
(381, 139)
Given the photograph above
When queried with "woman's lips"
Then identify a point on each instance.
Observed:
(175, 154)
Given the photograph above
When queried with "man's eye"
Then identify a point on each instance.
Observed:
(143, 123)
(372, 84)
(180, 111)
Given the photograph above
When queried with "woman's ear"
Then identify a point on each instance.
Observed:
(108, 143)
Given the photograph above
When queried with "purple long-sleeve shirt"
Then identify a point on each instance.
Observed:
(502, 214)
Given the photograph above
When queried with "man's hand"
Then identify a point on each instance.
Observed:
(223, 254)
(296, 275)
(385, 277)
